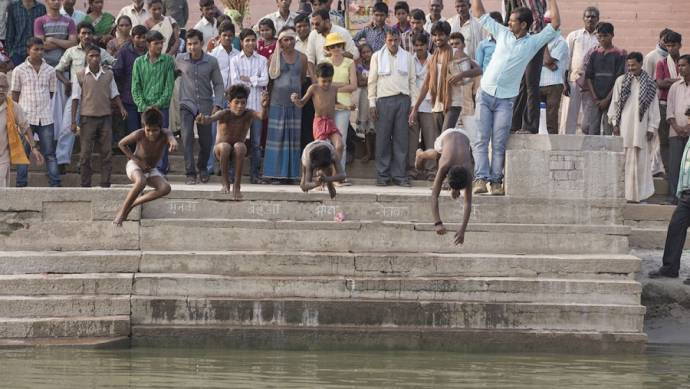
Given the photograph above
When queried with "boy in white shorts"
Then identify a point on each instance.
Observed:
(454, 155)
(151, 141)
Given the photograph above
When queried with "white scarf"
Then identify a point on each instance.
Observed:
(672, 71)
(402, 65)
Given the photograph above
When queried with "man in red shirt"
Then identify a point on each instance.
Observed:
(667, 75)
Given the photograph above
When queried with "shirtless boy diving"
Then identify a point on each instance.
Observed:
(454, 155)
(151, 141)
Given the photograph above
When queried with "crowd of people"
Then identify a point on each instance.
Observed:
(398, 87)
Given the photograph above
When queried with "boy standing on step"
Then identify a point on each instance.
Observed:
(95, 87)
(151, 142)
(233, 126)
(454, 155)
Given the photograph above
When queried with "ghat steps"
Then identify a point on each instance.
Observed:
(276, 265)
(544, 268)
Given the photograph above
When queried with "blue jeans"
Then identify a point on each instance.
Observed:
(495, 115)
(47, 146)
(163, 165)
(255, 152)
(133, 118)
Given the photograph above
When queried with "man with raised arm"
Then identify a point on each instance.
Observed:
(500, 84)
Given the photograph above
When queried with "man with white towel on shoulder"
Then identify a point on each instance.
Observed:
(391, 85)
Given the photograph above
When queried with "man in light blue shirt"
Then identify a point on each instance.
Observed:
(500, 85)
(552, 80)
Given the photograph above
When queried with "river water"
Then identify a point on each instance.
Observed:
(660, 367)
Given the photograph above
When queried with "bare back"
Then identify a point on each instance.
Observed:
(456, 150)
(232, 128)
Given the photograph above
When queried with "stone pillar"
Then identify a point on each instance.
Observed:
(565, 167)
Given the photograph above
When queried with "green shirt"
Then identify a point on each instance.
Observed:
(684, 178)
(152, 83)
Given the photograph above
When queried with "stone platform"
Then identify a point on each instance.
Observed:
(276, 270)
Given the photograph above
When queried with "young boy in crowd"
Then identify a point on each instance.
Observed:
(454, 155)
(324, 97)
(417, 20)
(606, 63)
(141, 169)
(233, 126)
(402, 13)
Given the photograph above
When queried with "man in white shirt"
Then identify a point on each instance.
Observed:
(303, 29)
(224, 53)
(251, 70)
(577, 100)
(281, 18)
(321, 27)
(136, 12)
(468, 26)
(551, 81)
(208, 23)
(392, 80)
(435, 9)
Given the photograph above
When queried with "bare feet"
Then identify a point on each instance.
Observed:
(118, 220)
(236, 194)
(418, 161)
(225, 189)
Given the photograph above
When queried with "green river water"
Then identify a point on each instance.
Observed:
(662, 366)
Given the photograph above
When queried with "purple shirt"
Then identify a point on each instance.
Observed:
(122, 70)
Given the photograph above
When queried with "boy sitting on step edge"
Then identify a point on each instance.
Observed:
(453, 154)
(233, 126)
(151, 142)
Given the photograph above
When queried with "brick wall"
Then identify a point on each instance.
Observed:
(637, 22)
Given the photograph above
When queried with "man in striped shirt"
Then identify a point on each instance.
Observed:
(251, 70)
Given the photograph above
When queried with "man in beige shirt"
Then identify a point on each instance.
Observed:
(391, 85)
(677, 103)
(22, 125)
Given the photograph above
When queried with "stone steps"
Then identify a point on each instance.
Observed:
(47, 327)
(486, 289)
(66, 284)
(374, 204)
(382, 338)
(64, 306)
(649, 224)
(229, 234)
(300, 263)
(324, 313)
(33, 262)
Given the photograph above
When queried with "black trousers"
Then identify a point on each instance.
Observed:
(675, 237)
(526, 109)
